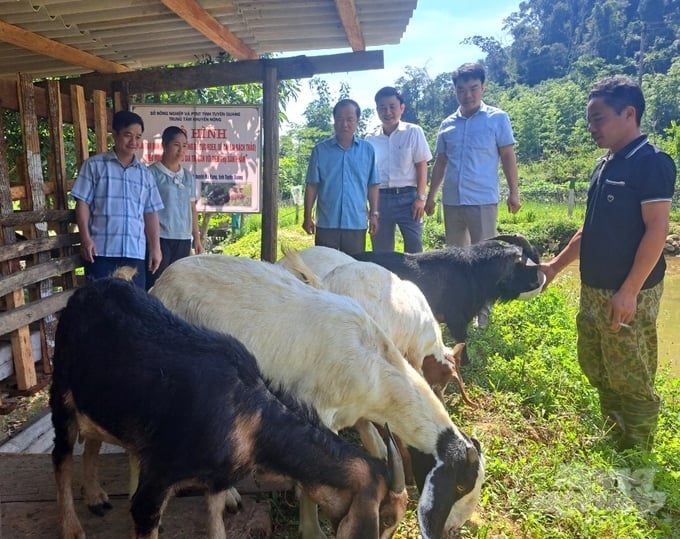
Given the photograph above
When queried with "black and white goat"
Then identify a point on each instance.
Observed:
(329, 353)
(191, 407)
(458, 281)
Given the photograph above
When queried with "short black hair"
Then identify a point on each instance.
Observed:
(125, 118)
(619, 92)
(469, 71)
(346, 102)
(388, 91)
(169, 133)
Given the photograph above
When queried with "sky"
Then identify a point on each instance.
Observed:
(432, 40)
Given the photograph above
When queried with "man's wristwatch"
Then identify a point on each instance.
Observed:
(375, 214)
(422, 197)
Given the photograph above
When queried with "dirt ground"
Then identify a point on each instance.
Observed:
(17, 410)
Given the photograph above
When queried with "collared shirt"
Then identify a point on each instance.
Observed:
(396, 154)
(613, 227)
(343, 176)
(118, 198)
(178, 190)
(471, 145)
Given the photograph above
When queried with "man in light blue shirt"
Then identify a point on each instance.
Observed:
(116, 206)
(470, 144)
(341, 177)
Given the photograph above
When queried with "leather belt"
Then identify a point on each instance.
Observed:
(397, 190)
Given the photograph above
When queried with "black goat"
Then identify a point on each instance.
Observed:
(458, 281)
(191, 407)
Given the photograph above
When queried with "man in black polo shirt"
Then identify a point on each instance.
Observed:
(620, 247)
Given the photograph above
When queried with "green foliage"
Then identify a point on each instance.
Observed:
(553, 38)
(551, 470)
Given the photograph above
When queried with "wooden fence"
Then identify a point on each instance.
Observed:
(38, 241)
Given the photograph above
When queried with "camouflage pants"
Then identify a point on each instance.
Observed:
(622, 365)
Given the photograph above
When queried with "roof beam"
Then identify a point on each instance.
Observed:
(347, 10)
(197, 17)
(48, 47)
(161, 79)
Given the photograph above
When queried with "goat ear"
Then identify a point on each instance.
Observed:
(361, 519)
(477, 445)
(472, 455)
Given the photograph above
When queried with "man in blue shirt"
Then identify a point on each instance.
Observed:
(116, 206)
(341, 177)
(470, 144)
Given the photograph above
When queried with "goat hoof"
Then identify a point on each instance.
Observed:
(100, 509)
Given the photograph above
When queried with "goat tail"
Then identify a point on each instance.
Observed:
(294, 263)
(127, 273)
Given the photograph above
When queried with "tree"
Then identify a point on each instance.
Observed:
(496, 61)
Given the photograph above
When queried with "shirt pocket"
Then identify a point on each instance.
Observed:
(620, 203)
(481, 138)
(404, 158)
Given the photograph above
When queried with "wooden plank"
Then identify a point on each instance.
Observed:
(79, 124)
(49, 188)
(156, 80)
(196, 16)
(24, 364)
(27, 378)
(59, 170)
(7, 236)
(10, 101)
(347, 11)
(43, 271)
(19, 218)
(6, 361)
(121, 95)
(55, 49)
(21, 316)
(29, 478)
(183, 518)
(101, 129)
(25, 248)
(58, 152)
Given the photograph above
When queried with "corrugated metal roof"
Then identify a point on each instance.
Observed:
(146, 33)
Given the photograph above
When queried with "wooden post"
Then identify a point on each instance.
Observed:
(7, 237)
(55, 117)
(79, 114)
(101, 128)
(24, 366)
(121, 95)
(270, 182)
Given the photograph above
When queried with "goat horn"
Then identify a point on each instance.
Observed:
(520, 241)
(395, 463)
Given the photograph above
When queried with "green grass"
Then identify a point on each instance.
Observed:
(552, 471)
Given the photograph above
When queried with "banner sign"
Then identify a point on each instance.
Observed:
(224, 151)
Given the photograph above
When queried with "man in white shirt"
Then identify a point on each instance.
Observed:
(401, 153)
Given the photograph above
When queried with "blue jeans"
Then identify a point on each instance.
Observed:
(395, 210)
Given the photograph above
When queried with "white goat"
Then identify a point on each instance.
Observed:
(398, 306)
(327, 351)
